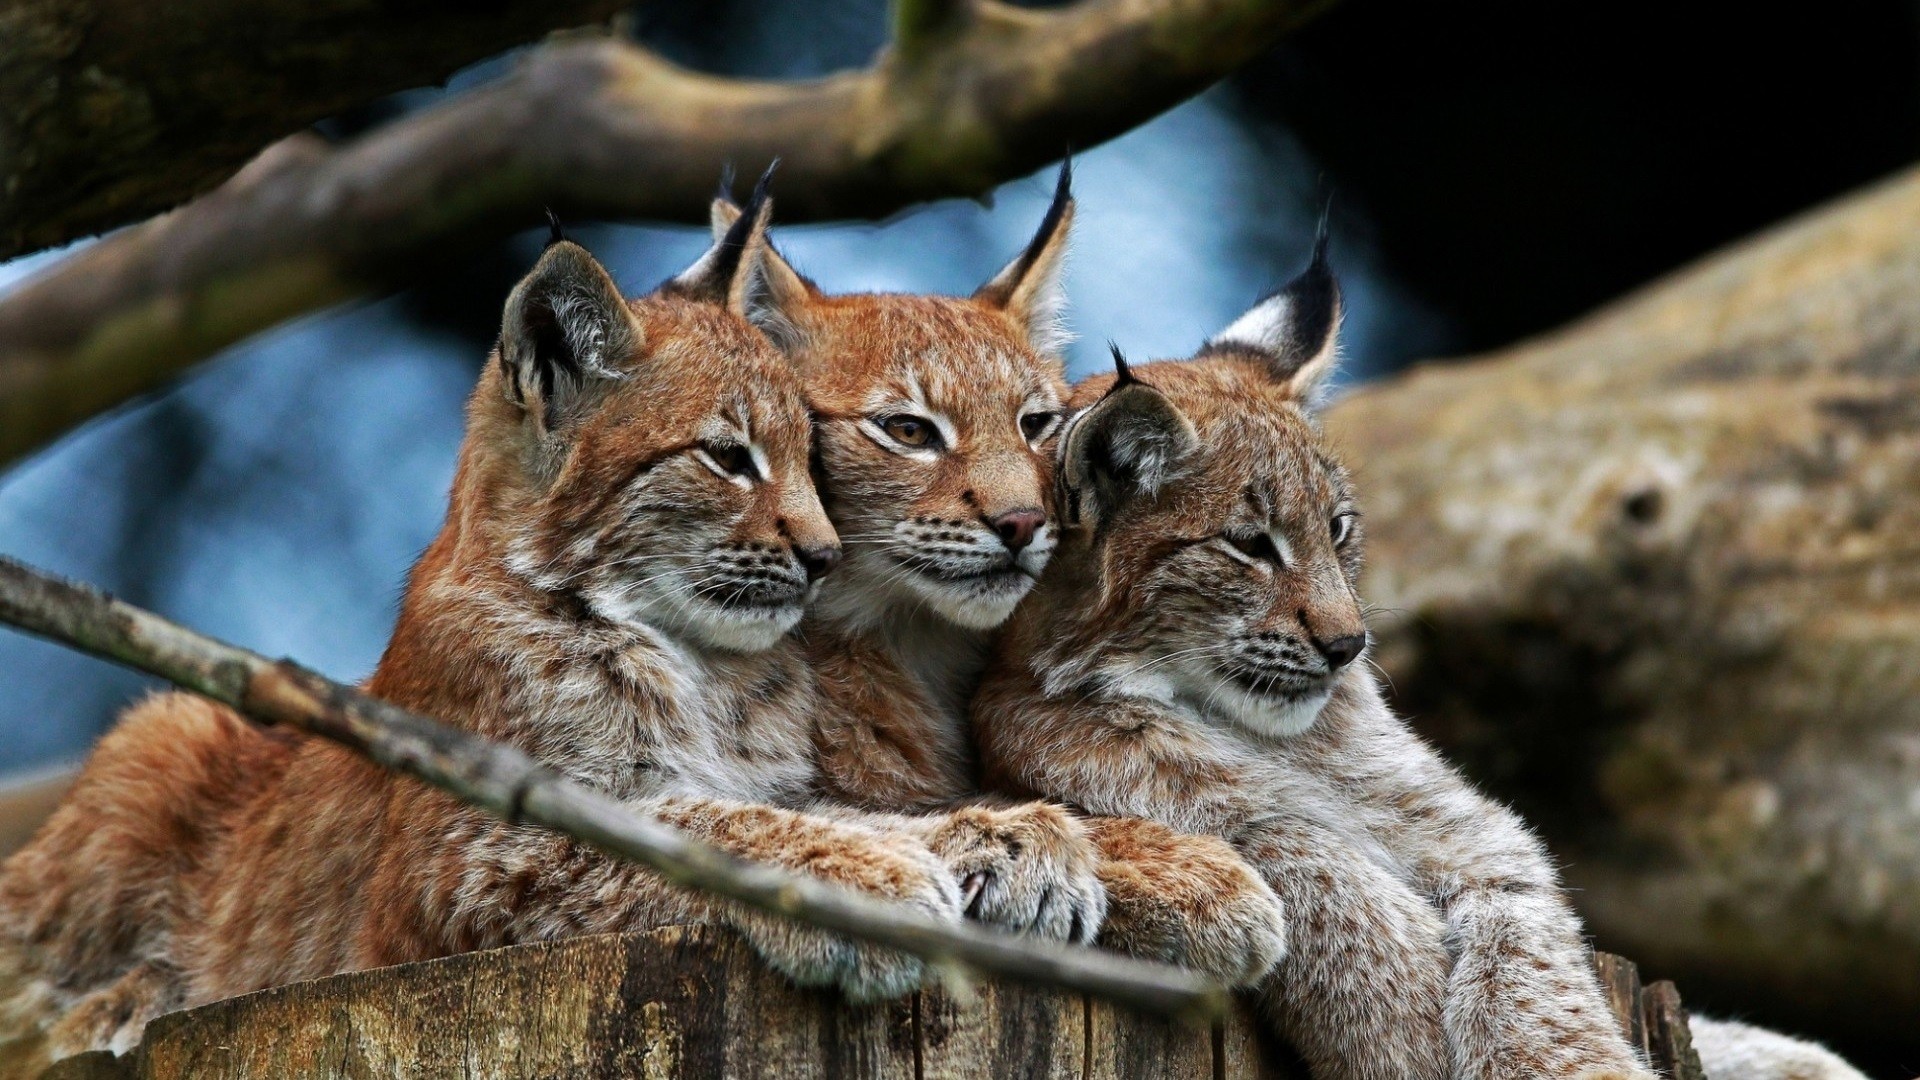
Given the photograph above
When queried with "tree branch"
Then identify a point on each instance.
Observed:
(113, 110)
(599, 129)
(511, 785)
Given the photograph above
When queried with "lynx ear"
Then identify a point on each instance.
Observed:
(1296, 328)
(1127, 445)
(732, 272)
(781, 290)
(1031, 288)
(566, 327)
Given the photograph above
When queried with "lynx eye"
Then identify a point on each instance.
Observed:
(913, 431)
(729, 459)
(1036, 424)
(1254, 545)
(1341, 528)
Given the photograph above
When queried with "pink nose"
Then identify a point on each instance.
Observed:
(1016, 528)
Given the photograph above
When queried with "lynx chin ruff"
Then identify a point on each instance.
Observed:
(937, 420)
(1191, 657)
(632, 532)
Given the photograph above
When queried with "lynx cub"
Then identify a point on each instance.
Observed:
(1190, 658)
(937, 418)
(632, 533)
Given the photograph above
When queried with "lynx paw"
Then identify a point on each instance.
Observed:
(895, 868)
(1030, 869)
(1240, 939)
(1187, 900)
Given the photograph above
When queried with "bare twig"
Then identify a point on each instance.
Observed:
(114, 110)
(508, 783)
(977, 93)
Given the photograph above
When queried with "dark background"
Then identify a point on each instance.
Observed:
(1497, 169)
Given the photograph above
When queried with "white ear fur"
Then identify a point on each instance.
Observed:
(1032, 288)
(775, 289)
(721, 216)
(1129, 444)
(565, 326)
(1296, 329)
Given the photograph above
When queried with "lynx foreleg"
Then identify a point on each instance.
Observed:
(1523, 1001)
(549, 886)
(1187, 900)
(1363, 984)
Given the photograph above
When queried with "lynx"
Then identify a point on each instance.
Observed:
(936, 420)
(1191, 657)
(631, 534)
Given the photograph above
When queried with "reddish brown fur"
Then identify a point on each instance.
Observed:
(898, 658)
(198, 857)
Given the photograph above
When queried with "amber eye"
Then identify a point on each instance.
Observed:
(910, 431)
(1034, 425)
(1254, 545)
(1341, 528)
(732, 458)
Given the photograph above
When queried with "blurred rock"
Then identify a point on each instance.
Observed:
(1656, 579)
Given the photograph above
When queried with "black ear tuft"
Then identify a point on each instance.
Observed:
(555, 234)
(734, 244)
(1050, 224)
(1122, 374)
(1295, 328)
(717, 276)
(1031, 287)
(1313, 301)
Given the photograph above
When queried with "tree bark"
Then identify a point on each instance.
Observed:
(973, 93)
(114, 110)
(679, 1002)
(1655, 577)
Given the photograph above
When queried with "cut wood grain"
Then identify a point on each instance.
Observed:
(694, 1003)
(677, 1002)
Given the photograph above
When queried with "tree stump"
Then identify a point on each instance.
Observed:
(694, 1003)
(679, 1002)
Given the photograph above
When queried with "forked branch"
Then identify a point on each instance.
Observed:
(508, 783)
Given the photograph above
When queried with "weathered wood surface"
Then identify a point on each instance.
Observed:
(1651, 1017)
(1655, 578)
(688, 1002)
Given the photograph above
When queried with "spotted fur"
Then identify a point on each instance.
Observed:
(1191, 658)
(1730, 1050)
(632, 532)
(943, 539)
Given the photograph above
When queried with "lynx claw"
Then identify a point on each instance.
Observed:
(1028, 869)
(970, 889)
